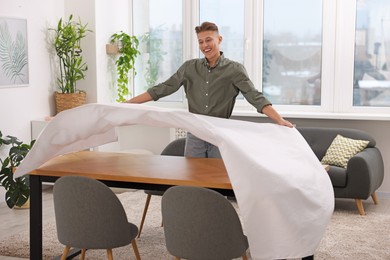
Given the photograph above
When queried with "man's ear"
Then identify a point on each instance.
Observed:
(220, 39)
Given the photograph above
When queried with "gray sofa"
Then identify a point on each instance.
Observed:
(365, 171)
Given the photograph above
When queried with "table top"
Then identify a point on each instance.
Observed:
(152, 169)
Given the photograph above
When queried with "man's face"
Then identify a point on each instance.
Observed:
(209, 43)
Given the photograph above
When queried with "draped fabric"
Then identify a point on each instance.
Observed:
(284, 195)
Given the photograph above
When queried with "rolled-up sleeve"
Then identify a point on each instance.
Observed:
(250, 93)
(169, 86)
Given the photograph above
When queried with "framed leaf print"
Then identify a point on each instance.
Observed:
(13, 52)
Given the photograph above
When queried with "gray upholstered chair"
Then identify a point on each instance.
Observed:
(90, 216)
(174, 148)
(201, 224)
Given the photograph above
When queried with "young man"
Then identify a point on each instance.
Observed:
(211, 85)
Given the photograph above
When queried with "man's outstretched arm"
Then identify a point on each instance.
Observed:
(274, 115)
(142, 98)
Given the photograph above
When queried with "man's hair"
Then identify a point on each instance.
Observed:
(206, 26)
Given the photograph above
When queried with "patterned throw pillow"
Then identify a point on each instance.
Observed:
(342, 149)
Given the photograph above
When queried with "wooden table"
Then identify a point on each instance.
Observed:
(125, 171)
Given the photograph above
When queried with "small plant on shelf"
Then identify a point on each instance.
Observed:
(17, 189)
(128, 51)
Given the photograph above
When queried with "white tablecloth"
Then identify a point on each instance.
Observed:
(284, 195)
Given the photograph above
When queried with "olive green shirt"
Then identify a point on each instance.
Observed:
(211, 91)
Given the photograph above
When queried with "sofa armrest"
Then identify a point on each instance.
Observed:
(365, 172)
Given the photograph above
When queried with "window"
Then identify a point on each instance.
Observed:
(229, 16)
(292, 47)
(161, 43)
(326, 58)
(371, 82)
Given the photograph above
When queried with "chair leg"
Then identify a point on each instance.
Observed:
(374, 198)
(109, 254)
(177, 258)
(65, 253)
(244, 257)
(135, 248)
(83, 253)
(144, 214)
(359, 204)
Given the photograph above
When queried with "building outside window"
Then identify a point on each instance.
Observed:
(371, 84)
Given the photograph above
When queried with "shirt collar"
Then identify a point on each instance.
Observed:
(221, 58)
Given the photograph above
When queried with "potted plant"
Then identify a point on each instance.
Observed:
(67, 44)
(17, 189)
(127, 48)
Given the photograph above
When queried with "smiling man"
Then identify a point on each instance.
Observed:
(211, 85)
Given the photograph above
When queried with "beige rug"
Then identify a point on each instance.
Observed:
(349, 236)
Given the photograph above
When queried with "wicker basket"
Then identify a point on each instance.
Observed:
(69, 100)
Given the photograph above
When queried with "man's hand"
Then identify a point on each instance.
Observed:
(274, 115)
(285, 122)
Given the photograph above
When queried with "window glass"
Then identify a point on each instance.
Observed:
(158, 26)
(229, 16)
(292, 46)
(371, 85)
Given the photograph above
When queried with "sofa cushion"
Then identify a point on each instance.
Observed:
(342, 149)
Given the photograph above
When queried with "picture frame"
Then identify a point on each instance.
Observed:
(14, 64)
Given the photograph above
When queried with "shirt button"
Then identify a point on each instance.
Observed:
(207, 82)
(207, 106)
(207, 94)
(209, 70)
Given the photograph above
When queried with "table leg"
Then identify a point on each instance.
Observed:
(35, 217)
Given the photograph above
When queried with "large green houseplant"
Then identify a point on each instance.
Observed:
(17, 189)
(67, 44)
(128, 51)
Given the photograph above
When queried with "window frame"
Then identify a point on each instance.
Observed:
(338, 46)
(345, 51)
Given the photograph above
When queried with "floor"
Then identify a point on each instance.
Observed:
(17, 220)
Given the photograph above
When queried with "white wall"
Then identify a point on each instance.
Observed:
(111, 17)
(20, 105)
(85, 10)
(104, 18)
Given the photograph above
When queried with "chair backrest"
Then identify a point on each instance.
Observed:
(175, 148)
(89, 215)
(200, 223)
